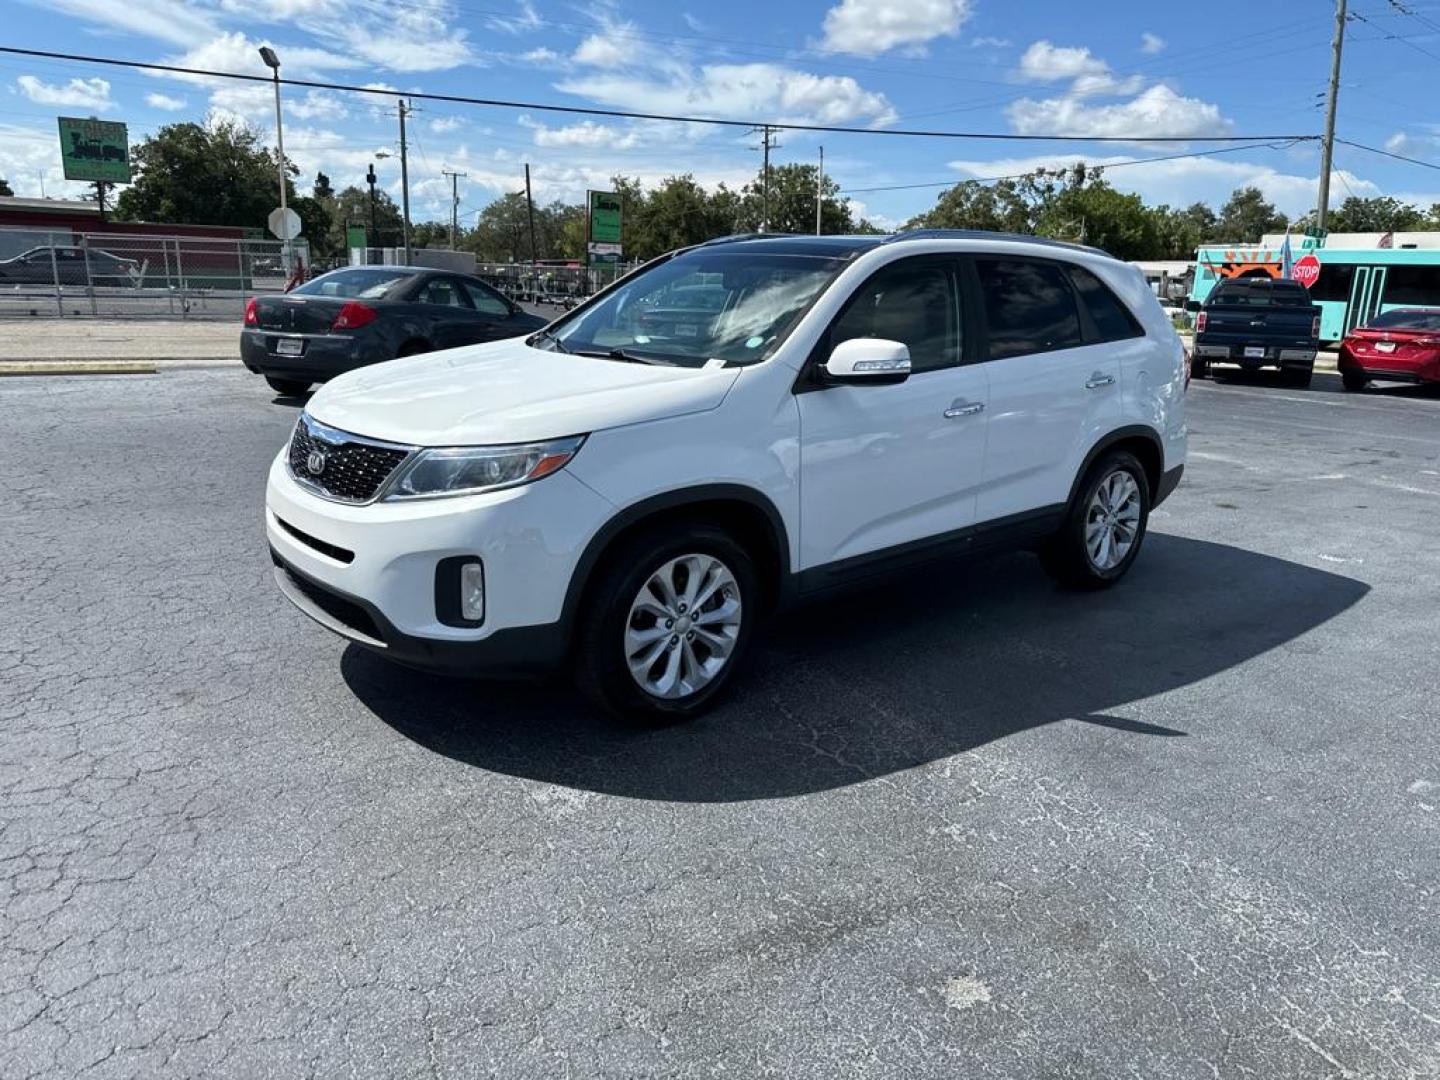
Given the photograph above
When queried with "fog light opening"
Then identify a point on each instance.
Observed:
(472, 592)
(460, 591)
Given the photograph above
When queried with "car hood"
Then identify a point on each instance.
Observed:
(507, 392)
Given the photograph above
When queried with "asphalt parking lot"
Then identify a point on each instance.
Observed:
(967, 825)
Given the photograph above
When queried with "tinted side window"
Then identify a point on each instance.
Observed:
(485, 301)
(1333, 283)
(1412, 285)
(915, 301)
(1111, 317)
(1029, 307)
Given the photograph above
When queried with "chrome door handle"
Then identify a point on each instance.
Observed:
(1098, 380)
(961, 408)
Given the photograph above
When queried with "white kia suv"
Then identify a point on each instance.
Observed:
(732, 427)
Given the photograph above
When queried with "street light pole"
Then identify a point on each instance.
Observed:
(273, 63)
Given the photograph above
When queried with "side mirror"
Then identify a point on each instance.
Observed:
(875, 361)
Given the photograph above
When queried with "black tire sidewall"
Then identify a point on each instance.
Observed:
(601, 669)
(1078, 554)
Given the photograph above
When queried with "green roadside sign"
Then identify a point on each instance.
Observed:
(604, 232)
(94, 150)
(355, 236)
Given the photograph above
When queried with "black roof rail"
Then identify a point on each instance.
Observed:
(984, 234)
(735, 238)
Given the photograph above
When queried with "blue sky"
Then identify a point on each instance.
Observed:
(1016, 66)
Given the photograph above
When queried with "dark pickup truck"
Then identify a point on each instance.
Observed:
(1257, 323)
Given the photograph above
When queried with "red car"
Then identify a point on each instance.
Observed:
(1401, 346)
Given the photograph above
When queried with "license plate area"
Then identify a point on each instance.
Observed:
(1254, 352)
(289, 346)
(1385, 346)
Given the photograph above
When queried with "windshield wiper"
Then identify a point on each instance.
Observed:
(554, 340)
(628, 357)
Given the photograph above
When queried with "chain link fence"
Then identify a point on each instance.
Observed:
(112, 274)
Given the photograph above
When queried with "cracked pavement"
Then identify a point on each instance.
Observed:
(963, 825)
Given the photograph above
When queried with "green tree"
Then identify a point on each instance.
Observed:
(972, 204)
(212, 174)
(1095, 213)
(1246, 216)
(1383, 214)
(5, 189)
(430, 234)
(791, 202)
(502, 231)
(322, 189)
(352, 207)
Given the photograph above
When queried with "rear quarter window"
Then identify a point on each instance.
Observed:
(1029, 307)
(1111, 318)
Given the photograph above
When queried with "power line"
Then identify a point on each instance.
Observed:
(1390, 154)
(627, 115)
(1102, 165)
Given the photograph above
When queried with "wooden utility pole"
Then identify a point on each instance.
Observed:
(1327, 148)
(454, 204)
(767, 143)
(530, 212)
(404, 185)
(819, 190)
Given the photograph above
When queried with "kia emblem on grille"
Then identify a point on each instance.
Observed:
(315, 462)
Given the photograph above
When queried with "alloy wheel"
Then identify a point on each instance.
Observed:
(683, 626)
(1112, 520)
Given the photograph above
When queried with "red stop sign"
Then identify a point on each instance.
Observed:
(1306, 270)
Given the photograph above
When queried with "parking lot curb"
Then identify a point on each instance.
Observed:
(77, 367)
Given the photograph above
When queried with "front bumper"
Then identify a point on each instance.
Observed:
(325, 355)
(370, 570)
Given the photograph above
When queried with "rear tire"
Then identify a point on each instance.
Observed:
(412, 348)
(1104, 527)
(1353, 381)
(624, 661)
(287, 387)
(1198, 368)
(1299, 378)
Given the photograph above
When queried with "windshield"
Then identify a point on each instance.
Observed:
(700, 306)
(1405, 320)
(367, 283)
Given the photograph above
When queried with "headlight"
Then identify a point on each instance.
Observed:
(469, 470)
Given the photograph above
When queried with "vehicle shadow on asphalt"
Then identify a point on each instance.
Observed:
(1325, 381)
(861, 686)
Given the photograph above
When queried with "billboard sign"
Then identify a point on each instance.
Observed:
(604, 229)
(94, 150)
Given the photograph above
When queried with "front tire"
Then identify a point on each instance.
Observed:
(666, 624)
(1104, 526)
(287, 387)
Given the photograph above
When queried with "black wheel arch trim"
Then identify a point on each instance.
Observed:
(637, 512)
(1119, 435)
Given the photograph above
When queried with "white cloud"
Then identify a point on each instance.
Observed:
(990, 43)
(872, 27)
(416, 37)
(740, 91)
(235, 52)
(317, 105)
(587, 134)
(77, 93)
(1158, 111)
(163, 20)
(541, 56)
(616, 45)
(1400, 143)
(443, 125)
(165, 101)
(524, 21)
(1150, 44)
(1088, 74)
(1044, 62)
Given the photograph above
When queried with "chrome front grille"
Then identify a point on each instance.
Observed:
(339, 465)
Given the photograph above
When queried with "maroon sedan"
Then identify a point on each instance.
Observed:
(1401, 346)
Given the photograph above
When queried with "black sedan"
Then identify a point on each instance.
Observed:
(362, 315)
(66, 264)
